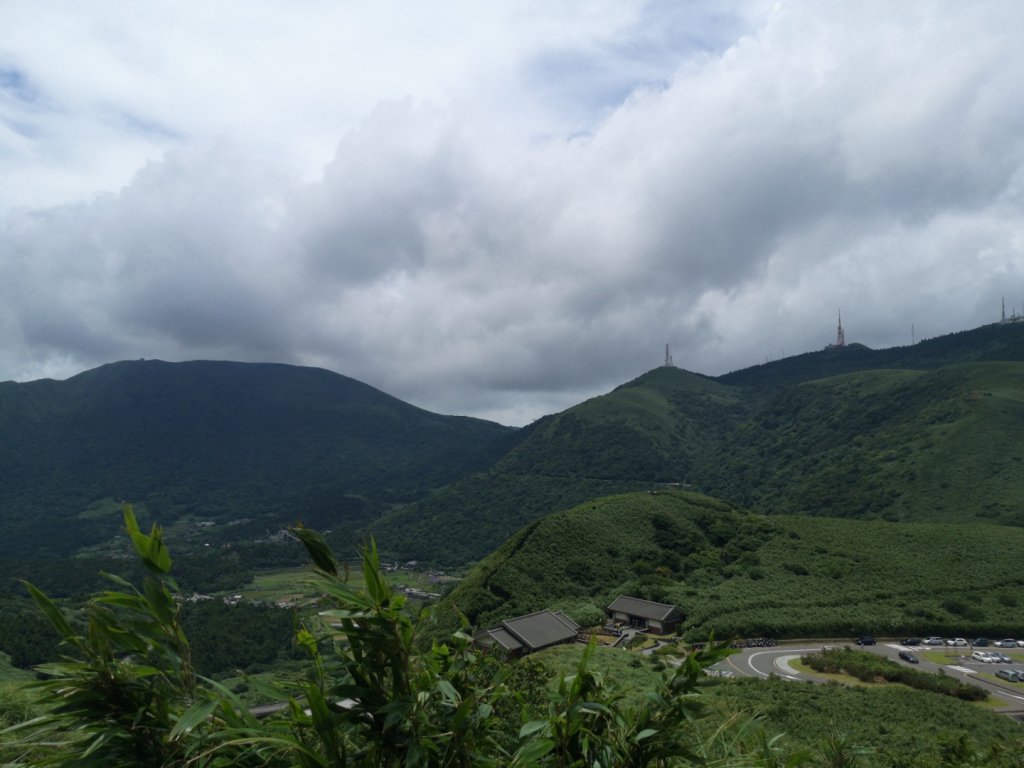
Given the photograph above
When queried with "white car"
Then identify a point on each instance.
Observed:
(957, 641)
(982, 656)
(932, 641)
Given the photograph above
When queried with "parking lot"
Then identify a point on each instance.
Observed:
(953, 660)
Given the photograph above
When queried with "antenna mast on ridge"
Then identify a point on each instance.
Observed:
(840, 336)
(668, 358)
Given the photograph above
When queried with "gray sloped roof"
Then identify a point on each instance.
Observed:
(645, 609)
(541, 629)
(504, 639)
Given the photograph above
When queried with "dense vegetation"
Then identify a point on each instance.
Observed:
(223, 453)
(246, 447)
(989, 342)
(903, 445)
(26, 638)
(741, 574)
(881, 726)
(128, 694)
(937, 442)
(890, 726)
(872, 668)
(651, 431)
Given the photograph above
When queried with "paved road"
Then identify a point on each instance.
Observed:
(764, 662)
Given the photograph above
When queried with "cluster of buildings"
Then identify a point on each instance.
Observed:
(543, 629)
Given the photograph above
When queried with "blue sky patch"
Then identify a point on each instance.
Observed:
(16, 83)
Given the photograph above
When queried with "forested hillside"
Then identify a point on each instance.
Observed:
(996, 342)
(742, 574)
(943, 445)
(253, 446)
(940, 442)
(654, 430)
(928, 432)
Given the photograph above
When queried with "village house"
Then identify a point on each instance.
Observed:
(659, 618)
(526, 634)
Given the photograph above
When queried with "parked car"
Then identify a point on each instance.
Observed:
(1007, 643)
(908, 657)
(982, 656)
(1002, 657)
(933, 641)
(980, 642)
(959, 642)
(1009, 674)
(911, 641)
(865, 640)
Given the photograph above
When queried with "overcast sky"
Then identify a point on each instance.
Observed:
(502, 208)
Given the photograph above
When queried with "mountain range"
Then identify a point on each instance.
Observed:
(930, 432)
(248, 447)
(925, 433)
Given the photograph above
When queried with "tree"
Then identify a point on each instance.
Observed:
(126, 693)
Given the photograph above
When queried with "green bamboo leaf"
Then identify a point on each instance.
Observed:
(317, 548)
(448, 691)
(192, 717)
(160, 601)
(119, 581)
(530, 753)
(532, 727)
(51, 611)
(150, 549)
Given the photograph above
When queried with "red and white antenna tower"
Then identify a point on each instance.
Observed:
(840, 336)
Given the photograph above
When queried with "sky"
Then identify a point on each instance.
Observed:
(501, 209)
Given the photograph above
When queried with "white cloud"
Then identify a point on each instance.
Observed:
(501, 210)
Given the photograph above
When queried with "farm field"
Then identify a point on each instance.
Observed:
(293, 586)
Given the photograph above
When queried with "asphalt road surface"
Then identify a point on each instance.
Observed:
(764, 662)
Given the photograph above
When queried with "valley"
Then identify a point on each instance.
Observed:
(829, 495)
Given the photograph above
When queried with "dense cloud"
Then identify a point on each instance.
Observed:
(523, 217)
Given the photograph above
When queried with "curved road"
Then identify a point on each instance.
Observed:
(765, 662)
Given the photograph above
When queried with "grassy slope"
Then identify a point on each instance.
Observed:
(221, 441)
(11, 675)
(877, 718)
(937, 445)
(652, 430)
(942, 445)
(743, 574)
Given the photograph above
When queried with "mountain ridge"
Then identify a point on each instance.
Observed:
(257, 445)
(791, 441)
(267, 443)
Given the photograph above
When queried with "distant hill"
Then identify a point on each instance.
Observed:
(742, 574)
(653, 430)
(995, 342)
(928, 432)
(254, 445)
(945, 445)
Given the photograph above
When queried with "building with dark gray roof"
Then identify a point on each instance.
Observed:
(526, 634)
(659, 618)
